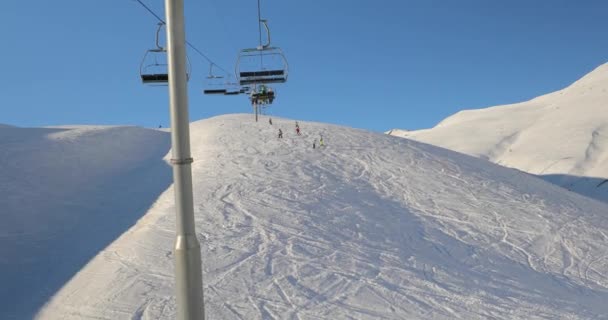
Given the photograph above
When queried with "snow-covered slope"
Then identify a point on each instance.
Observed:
(65, 194)
(369, 227)
(562, 136)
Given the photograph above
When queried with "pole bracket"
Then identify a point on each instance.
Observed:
(182, 161)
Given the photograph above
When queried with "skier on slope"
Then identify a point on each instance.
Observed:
(280, 133)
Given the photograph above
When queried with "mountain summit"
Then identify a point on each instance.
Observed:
(561, 136)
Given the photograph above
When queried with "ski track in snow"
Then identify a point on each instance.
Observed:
(369, 227)
(593, 152)
(503, 146)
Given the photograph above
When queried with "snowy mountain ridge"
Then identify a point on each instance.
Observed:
(369, 227)
(561, 136)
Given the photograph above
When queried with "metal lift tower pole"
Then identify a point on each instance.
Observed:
(188, 273)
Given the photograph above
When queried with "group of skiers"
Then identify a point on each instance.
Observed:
(321, 142)
(263, 96)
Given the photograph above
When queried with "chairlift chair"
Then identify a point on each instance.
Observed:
(214, 83)
(228, 89)
(218, 85)
(261, 65)
(154, 69)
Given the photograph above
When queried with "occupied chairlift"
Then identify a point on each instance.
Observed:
(261, 65)
(262, 96)
(154, 68)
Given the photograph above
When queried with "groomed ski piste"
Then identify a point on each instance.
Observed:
(368, 227)
(561, 136)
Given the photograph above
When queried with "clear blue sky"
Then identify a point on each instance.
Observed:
(367, 64)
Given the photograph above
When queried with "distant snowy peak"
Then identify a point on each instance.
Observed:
(597, 77)
(563, 134)
(585, 94)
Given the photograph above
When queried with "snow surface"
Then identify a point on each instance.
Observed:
(562, 136)
(368, 227)
(66, 195)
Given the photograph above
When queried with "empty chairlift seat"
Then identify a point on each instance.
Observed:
(263, 76)
(261, 65)
(153, 68)
(155, 78)
(214, 91)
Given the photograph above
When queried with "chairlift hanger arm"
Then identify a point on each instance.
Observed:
(158, 46)
(211, 75)
(265, 23)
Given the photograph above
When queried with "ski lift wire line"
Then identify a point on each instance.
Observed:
(187, 42)
(260, 33)
(259, 20)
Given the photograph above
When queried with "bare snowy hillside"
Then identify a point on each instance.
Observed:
(65, 194)
(368, 227)
(562, 136)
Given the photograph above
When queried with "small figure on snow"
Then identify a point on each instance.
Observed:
(280, 133)
(314, 143)
(297, 128)
(270, 121)
(321, 142)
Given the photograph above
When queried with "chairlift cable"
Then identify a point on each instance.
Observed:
(187, 42)
(260, 33)
(150, 11)
(259, 20)
(206, 58)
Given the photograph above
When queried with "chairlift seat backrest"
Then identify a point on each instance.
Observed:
(155, 78)
(262, 76)
(262, 80)
(214, 91)
(263, 73)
